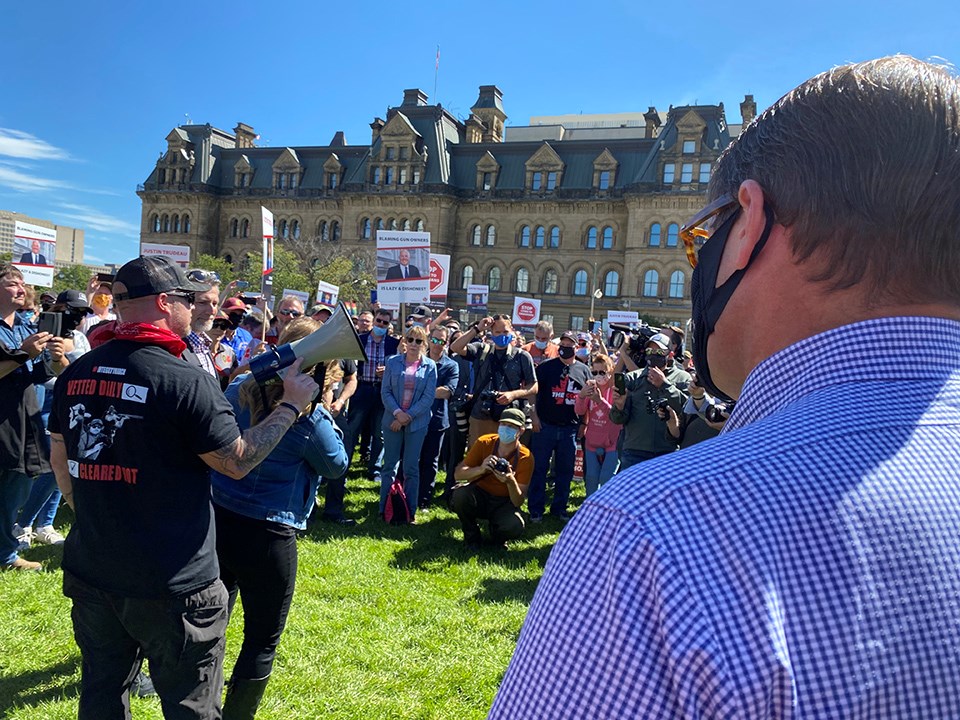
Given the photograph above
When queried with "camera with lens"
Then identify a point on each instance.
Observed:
(487, 400)
(717, 413)
(501, 465)
(630, 340)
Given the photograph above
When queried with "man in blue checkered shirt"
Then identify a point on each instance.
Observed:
(806, 562)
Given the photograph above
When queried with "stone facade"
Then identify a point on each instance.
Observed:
(553, 210)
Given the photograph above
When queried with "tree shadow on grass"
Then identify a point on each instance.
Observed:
(21, 690)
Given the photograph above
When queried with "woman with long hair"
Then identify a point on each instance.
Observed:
(408, 390)
(600, 436)
(257, 520)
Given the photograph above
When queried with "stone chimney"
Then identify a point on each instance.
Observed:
(376, 126)
(244, 135)
(339, 139)
(652, 120)
(414, 96)
(475, 129)
(748, 109)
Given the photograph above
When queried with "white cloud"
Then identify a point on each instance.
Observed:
(90, 218)
(19, 144)
(25, 182)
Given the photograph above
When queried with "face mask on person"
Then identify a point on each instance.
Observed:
(501, 341)
(507, 434)
(565, 351)
(101, 301)
(657, 361)
(541, 344)
(709, 300)
(583, 353)
(378, 331)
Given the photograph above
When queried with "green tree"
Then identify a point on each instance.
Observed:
(71, 277)
(218, 265)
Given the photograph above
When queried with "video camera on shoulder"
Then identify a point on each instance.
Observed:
(630, 340)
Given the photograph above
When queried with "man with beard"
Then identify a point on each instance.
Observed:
(804, 562)
(204, 311)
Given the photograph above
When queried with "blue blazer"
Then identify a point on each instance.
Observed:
(424, 390)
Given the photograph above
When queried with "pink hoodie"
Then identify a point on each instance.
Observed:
(601, 431)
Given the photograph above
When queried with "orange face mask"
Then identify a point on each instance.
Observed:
(101, 301)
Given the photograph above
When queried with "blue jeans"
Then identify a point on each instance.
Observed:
(335, 489)
(600, 466)
(561, 439)
(14, 490)
(629, 458)
(41, 506)
(429, 464)
(408, 444)
(366, 413)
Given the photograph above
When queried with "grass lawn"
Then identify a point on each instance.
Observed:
(387, 622)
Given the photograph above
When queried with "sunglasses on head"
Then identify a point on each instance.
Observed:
(203, 276)
(289, 312)
(418, 341)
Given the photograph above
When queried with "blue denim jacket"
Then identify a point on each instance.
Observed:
(424, 391)
(282, 488)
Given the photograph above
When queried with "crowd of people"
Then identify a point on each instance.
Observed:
(805, 559)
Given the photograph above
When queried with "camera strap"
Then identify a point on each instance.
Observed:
(514, 464)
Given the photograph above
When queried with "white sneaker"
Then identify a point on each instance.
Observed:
(23, 536)
(46, 535)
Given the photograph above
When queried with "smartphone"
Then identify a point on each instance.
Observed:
(51, 322)
(242, 284)
(105, 277)
(620, 383)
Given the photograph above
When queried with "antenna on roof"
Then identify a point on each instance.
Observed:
(187, 116)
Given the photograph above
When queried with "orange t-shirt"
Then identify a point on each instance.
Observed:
(548, 353)
(521, 459)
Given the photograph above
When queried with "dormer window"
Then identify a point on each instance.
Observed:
(689, 147)
(551, 180)
(537, 181)
(391, 152)
(604, 182)
(487, 181)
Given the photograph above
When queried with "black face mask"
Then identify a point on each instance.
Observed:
(565, 352)
(657, 361)
(709, 300)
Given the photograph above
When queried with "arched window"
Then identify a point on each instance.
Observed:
(375, 179)
(323, 231)
(550, 281)
(540, 236)
(365, 231)
(234, 228)
(523, 280)
(525, 236)
(335, 231)
(651, 283)
(466, 277)
(186, 223)
(166, 224)
(673, 232)
(420, 225)
(282, 230)
(176, 223)
(611, 284)
(406, 223)
(591, 238)
(295, 229)
(677, 281)
(228, 258)
(607, 238)
(156, 223)
(245, 228)
(554, 237)
(491, 235)
(392, 224)
(475, 235)
(379, 224)
(580, 282)
(493, 279)
(655, 235)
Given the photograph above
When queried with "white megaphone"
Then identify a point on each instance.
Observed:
(336, 339)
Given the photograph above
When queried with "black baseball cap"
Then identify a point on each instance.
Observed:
(73, 299)
(152, 275)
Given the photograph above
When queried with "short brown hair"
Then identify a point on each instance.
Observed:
(10, 269)
(861, 163)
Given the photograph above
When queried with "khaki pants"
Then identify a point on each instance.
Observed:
(480, 427)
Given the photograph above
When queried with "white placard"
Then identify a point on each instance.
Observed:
(36, 246)
(403, 266)
(477, 297)
(623, 317)
(526, 311)
(180, 254)
(267, 220)
(299, 294)
(327, 293)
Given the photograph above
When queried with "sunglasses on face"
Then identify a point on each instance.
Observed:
(221, 324)
(418, 341)
(656, 351)
(700, 227)
(596, 373)
(438, 341)
(203, 276)
(382, 323)
(291, 313)
(183, 295)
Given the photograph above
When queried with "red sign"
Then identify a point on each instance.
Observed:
(436, 276)
(526, 311)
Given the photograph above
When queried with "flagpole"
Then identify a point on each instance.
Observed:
(436, 71)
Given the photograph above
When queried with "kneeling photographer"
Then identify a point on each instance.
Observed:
(659, 385)
(492, 482)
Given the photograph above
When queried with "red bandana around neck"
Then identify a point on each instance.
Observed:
(144, 333)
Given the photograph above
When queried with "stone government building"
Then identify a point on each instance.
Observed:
(553, 210)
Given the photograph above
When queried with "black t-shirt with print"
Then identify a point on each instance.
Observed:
(557, 388)
(134, 420)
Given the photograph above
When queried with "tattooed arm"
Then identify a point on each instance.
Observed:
(249, 450)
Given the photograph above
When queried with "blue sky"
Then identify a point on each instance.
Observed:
(91, 89)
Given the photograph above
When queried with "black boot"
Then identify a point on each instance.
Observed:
(243, 698)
